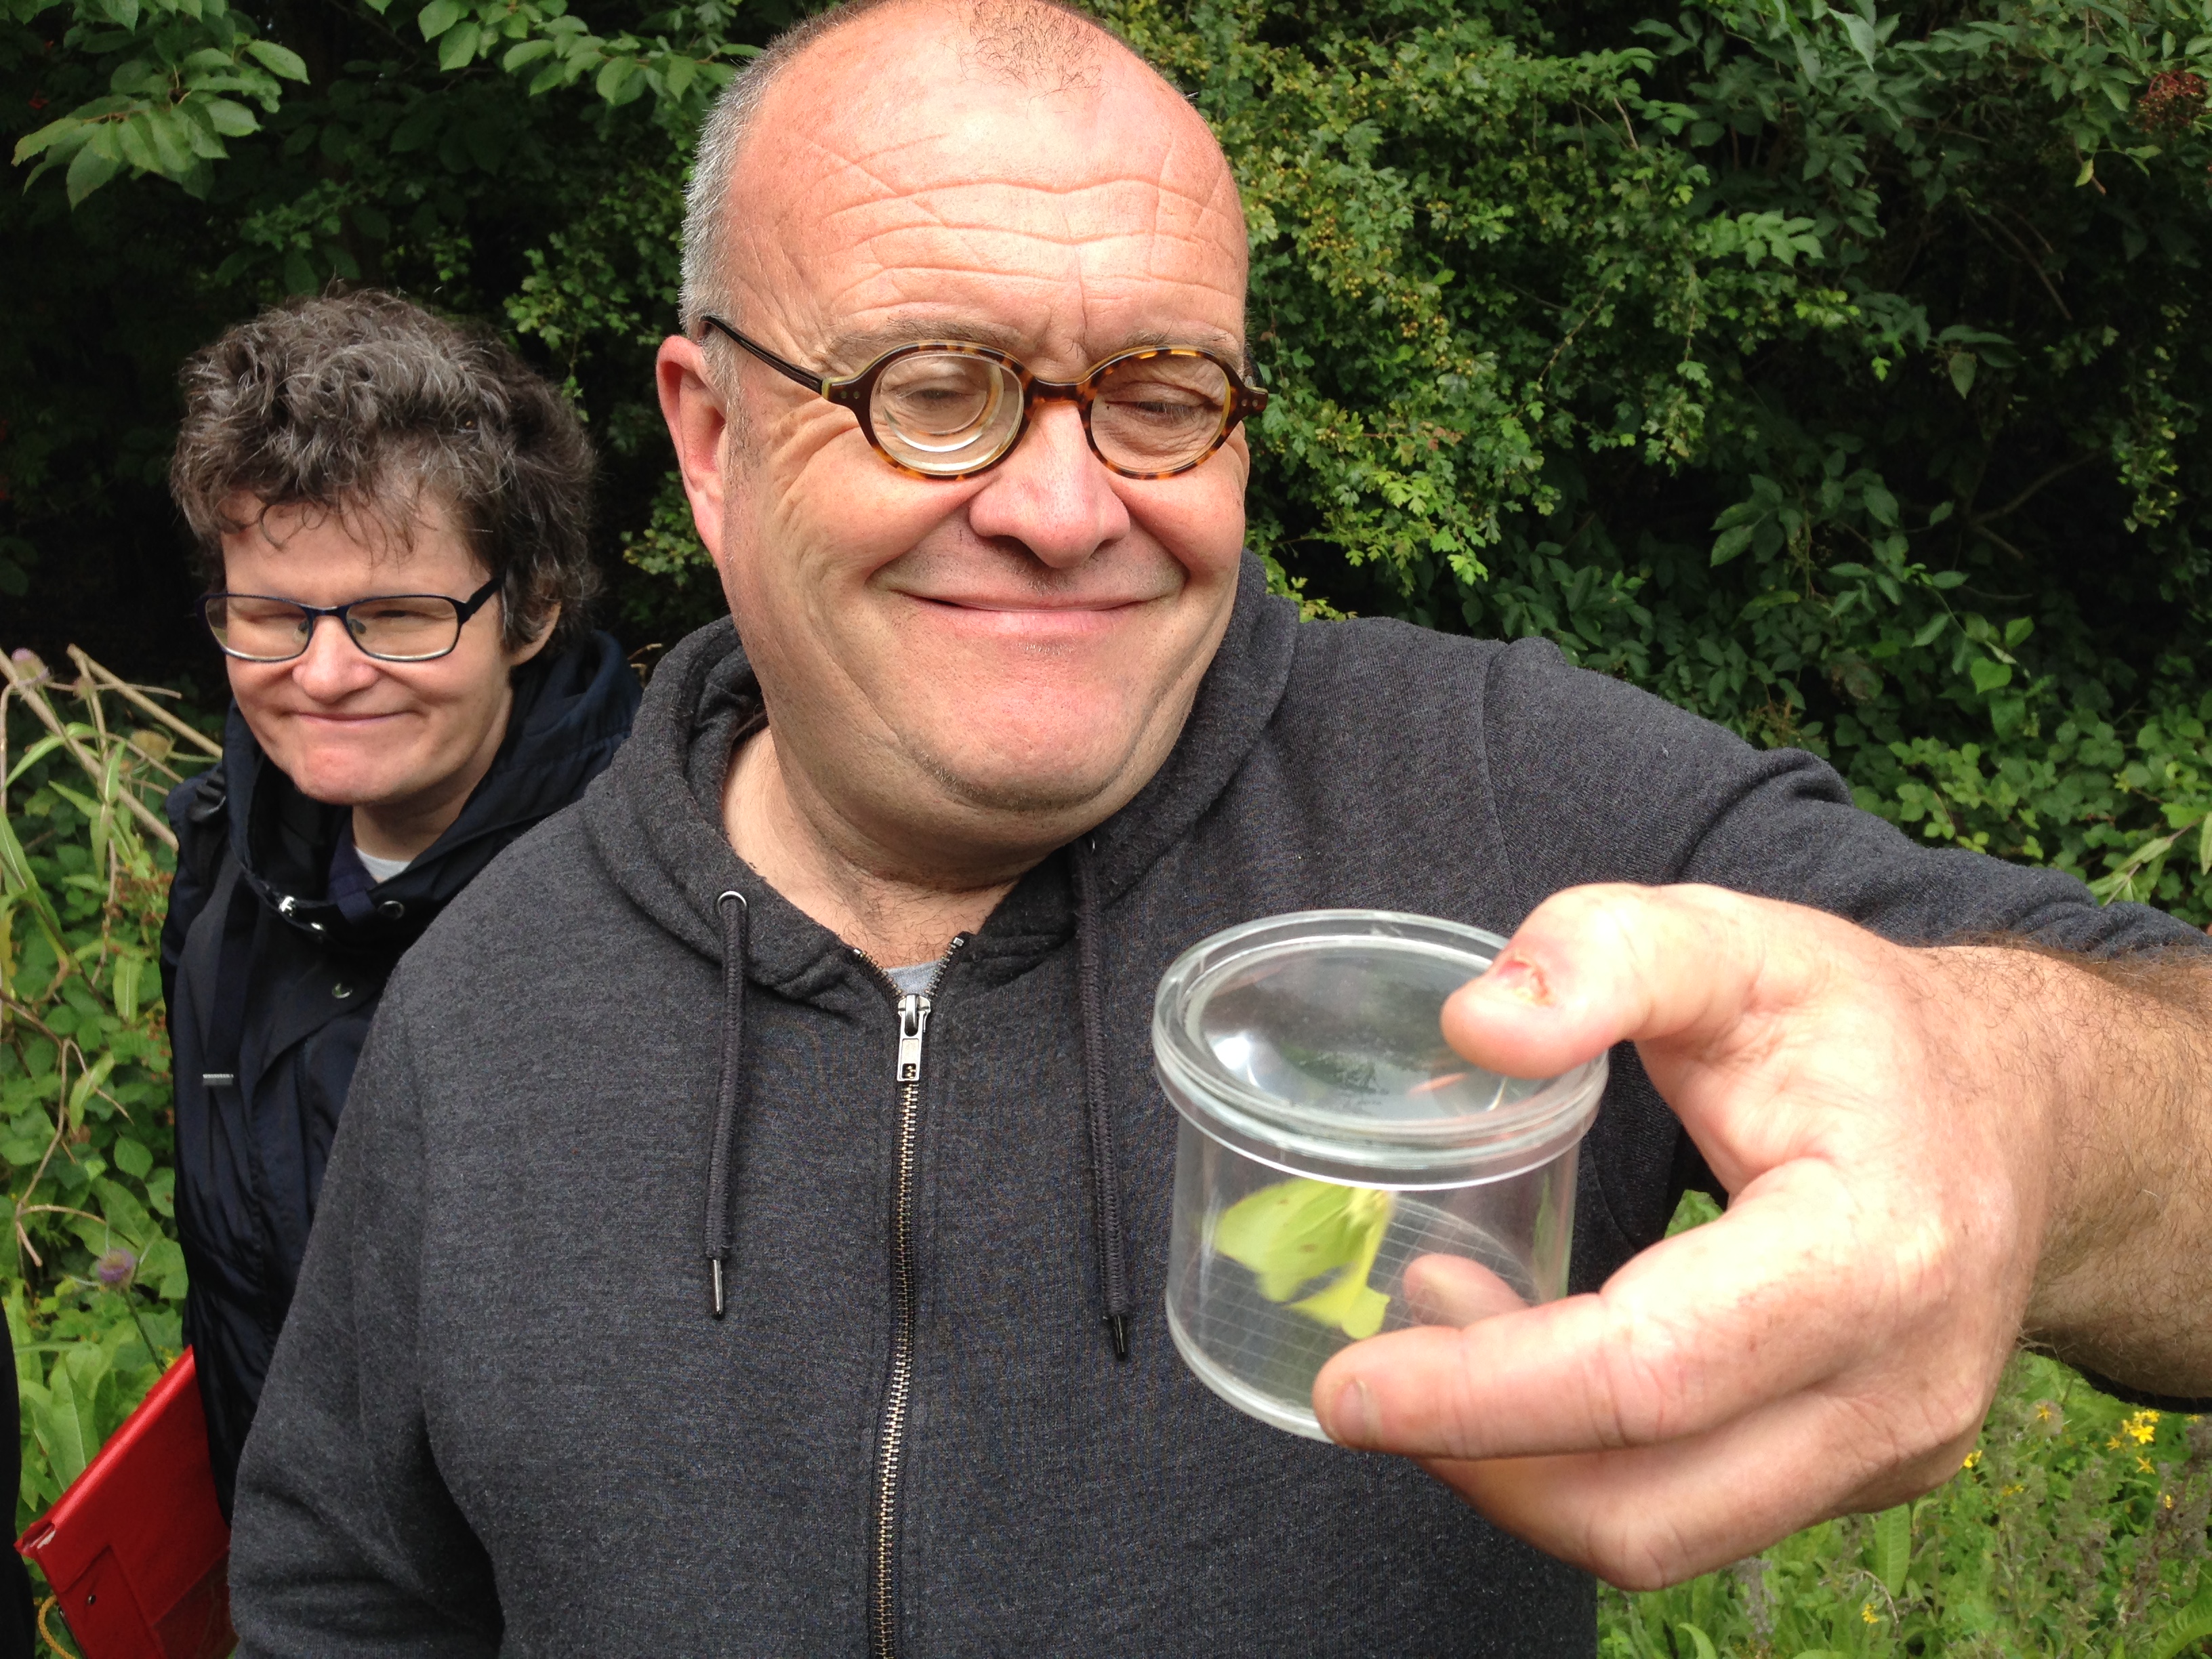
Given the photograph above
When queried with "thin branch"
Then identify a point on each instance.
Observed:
(1983, 221)
(138, 699)
(2032, 491)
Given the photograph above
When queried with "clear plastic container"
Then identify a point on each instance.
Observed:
(1342, 1171)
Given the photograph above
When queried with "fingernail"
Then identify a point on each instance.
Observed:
(1351, 1419)
(1516, 976)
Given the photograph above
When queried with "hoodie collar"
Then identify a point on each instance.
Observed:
(655, 822)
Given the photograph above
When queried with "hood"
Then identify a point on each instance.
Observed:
(655, 820)
(571, 713)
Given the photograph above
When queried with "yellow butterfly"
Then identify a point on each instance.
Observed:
(1295, 1231)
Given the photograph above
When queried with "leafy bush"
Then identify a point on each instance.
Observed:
(1835, 374)
(92, 1301)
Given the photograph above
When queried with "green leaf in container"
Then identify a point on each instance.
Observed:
(1294, 1231)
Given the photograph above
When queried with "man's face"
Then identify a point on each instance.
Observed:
(955, 658)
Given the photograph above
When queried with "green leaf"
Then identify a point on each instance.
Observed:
(524, 54)
(95, 166)
(132, 1157)
(615, 79)
(2186, 1628)
(167, 134)
(459, 49)
(37, 143)
(1931, 629)
(1732, 542)
(1291, 1232)
(278, 60)
(1893, 1547)
(1989, 675)
(434, 19)
(1862, 33)
(124, 979)
(232, 120)
(1964, 364)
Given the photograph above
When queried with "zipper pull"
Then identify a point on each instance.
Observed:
(913, 1020)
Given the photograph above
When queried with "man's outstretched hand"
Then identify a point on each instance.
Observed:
(1925, 1150)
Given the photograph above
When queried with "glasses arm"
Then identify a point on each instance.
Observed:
(814, 383)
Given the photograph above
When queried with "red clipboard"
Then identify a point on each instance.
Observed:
(136, 1549)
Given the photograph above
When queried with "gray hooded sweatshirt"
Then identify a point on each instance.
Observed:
(505, 1417)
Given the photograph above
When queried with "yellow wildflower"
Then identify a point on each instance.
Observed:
(1975, 1457)
(2143, 1463)
(2008, 1491)
(2167, 1498)
(1867, 1614)
(2141, 1428)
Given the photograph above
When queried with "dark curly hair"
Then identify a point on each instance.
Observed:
(362, 405)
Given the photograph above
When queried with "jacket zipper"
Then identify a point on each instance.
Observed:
(913, 1009)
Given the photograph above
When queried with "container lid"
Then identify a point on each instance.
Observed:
(1315, 1042)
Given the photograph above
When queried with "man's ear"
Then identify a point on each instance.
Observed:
(697, 425)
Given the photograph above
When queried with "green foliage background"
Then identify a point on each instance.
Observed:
(1837, 370)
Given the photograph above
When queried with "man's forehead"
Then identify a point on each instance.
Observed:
(891, 174)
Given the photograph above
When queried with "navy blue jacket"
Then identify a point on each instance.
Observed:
(272, 984)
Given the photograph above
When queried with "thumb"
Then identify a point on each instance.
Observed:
(1594, 966)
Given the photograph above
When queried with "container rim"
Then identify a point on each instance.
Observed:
(1478, 1144)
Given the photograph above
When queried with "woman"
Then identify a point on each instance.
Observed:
(390, 516)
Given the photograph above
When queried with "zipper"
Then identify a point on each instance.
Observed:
(914, 1009)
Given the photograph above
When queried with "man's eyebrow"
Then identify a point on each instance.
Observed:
(853, 351)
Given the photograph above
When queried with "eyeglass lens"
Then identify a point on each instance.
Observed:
(403, 627)
(951, 412)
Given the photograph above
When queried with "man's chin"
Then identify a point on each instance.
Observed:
(1032, 786)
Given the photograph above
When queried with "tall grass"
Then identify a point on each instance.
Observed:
(93, 1290)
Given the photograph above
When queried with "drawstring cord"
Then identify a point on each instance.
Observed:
(735, 930)
(1105, 1173)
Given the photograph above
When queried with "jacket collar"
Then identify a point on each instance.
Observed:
(570, 712)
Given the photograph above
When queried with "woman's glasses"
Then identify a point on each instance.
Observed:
(948, 411)
(390, 627)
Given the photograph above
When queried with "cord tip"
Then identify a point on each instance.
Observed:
(714, 1265)
(1118, 1326)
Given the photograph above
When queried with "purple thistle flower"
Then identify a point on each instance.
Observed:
(116, 1269)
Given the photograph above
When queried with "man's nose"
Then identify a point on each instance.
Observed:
(332, 666)
(1052, 495)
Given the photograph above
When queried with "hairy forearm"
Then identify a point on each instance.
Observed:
(2124, 1050)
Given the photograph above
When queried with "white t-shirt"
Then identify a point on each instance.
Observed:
(380, 870)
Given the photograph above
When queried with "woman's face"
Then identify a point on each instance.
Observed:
(404, 743)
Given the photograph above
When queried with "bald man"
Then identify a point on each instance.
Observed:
(747, 1232)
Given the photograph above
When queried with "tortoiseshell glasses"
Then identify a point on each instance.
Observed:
(945, 410)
